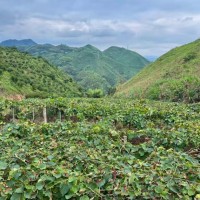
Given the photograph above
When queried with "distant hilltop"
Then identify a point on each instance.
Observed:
(13, 42)
(90, 67)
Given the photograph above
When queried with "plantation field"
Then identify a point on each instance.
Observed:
(99, 149)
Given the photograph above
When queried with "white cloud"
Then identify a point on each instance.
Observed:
(149, 28)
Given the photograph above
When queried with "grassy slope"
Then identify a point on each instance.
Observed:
(174, 76)
(91, 67)
(21, 73)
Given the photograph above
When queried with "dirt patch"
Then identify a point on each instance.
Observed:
(139, 140)
(74, 118)
(15, 97)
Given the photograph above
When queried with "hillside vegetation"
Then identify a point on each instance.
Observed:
(89, 66)
(175, 76)
(127, 59)
(21, 73)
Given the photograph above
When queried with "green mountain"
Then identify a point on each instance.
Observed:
(89, 66)
(12, 43)
(130, 60)
(21, 73)
(175, 76)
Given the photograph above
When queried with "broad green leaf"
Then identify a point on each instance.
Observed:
(69, 196)
(101, 183)
(3, 165)
(64, 188)
(57, 175)
(191, 192)
(50, 157)
(42, 166)
(158, 189)
(16, 196)
(40, 185)
(173, 189)
(27, 194)
(19, 190)
(74, 189)
(47, 194)
(132, 178)
(85, 197)
(198, 188)
(71, 179)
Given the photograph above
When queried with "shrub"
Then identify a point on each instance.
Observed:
(96, 93)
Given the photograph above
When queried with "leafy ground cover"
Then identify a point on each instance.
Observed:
(99, 149)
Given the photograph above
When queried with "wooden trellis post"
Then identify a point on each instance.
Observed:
(125, 139)
(45, 114)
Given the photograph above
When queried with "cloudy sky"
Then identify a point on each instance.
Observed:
(150, 27)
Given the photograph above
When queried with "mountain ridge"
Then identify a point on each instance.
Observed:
(89, 66)
(14, 42)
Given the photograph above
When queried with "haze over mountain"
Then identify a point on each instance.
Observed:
(21, 73)
(175, 76)
(89, 66)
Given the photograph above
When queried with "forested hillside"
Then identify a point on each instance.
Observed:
(21, 73)
(89, 66)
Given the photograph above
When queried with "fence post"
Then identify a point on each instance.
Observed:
(45, 114)
(125, 139)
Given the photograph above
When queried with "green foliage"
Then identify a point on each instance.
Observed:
(111, 90)
(21, 73)
(90, 67)
(173, 77)
(189, 57)
(131, 62)
(88, 79)
(96, 93)
(184, 89)
(116, 149)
